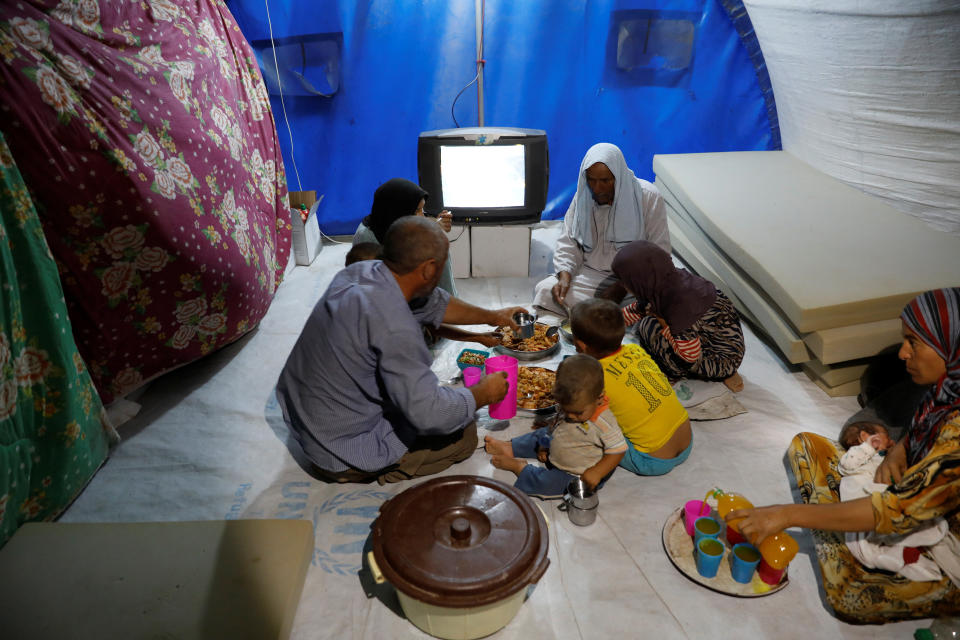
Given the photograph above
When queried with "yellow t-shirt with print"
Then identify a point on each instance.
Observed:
(645, 405)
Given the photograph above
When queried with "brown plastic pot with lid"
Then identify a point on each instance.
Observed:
(461, 552)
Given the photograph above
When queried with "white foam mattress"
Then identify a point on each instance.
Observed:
(829, 346)
(827, 254)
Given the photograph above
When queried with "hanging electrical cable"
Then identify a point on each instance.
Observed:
(481, 11)
(293, 160)
(480, 6)
(452, 115)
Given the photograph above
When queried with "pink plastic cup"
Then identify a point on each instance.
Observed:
(471, 376)
(692, 510)
(506, 408)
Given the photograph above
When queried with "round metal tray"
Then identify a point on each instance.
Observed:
(529, 356)
(545, 412)
(679, 548)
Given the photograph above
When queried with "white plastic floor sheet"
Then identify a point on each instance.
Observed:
(209, 443)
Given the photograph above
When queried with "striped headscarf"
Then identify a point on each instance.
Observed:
(935, 317)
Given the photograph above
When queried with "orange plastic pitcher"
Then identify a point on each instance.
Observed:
(731, 502)
(777, 551)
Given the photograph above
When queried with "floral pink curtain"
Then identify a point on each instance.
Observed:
(144, 133)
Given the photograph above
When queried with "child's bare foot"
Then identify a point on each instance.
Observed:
(497, 447)
(734, 383)
(509, 464)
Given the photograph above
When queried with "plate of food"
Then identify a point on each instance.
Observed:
(535, 391)
(471, 358)
(679, 548)
(544, 343)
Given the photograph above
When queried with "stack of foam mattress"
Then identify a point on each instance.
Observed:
(819, 267)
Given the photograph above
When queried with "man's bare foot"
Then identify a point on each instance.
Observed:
(497, 447)
(509, 464)
(734, 383)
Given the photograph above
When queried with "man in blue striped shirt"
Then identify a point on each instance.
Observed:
(357, 390)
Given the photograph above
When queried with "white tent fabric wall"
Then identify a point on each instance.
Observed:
(869, 92)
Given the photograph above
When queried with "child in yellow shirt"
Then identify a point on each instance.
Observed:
(653, 421)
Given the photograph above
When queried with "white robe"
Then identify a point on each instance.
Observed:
(591, 269)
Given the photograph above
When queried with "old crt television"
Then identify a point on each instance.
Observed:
(485, 175)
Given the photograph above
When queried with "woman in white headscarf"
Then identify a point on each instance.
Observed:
(611, 208)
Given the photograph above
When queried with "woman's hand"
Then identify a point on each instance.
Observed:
(757, 524)
(445, 220)
(488, 339)
(893, 465)
(615, 292)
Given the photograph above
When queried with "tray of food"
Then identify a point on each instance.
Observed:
(535, 391)
(678, 546)
(544, 343)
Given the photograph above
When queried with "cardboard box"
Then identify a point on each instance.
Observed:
(307, 241)
(499, 251)
(459, 237)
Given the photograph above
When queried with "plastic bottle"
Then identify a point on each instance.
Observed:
(726, 503)
(304, 214)
(944, 627)
(776, 552)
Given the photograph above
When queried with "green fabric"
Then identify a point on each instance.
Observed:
(52, 440)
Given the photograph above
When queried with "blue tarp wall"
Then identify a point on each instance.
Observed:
(649, 76)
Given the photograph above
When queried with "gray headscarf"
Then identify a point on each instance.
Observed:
(626, 212)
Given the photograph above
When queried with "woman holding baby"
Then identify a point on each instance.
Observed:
(923, 473)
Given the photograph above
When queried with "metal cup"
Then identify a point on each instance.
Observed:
(580, 503)
(581, 496)
(525, 321)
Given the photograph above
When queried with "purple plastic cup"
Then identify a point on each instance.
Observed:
(471, 376)
(506, 408)
(692, 510)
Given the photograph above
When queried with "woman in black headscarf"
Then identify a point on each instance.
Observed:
(394, 199)
(683, 321)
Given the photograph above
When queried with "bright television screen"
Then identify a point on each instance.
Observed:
(483, 176)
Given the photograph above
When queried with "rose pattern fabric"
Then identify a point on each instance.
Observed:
(144, 134)
(51, 436)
